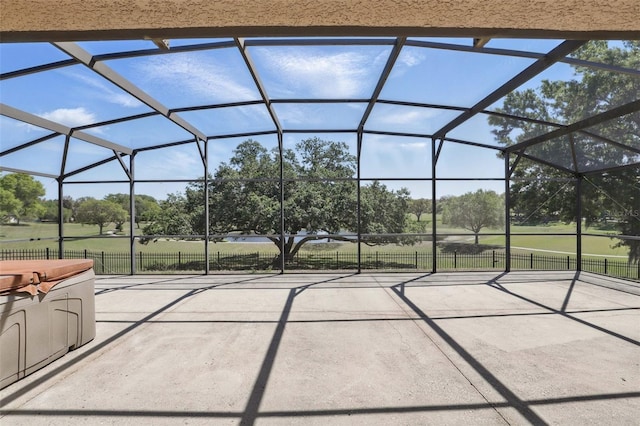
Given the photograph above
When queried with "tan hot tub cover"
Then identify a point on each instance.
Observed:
(38, 276)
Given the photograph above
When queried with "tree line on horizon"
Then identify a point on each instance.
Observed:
(320, 198)
(319, 192)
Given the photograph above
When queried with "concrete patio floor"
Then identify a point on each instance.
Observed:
(317, 349)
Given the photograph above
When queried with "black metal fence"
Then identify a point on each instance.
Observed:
(190, 262)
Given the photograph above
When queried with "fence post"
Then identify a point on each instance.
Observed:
(337, 260)
(455, 259)
(103, 262)
(568, 263)
(493, 258)
(605, 266)
(531, 256)
(85, 253)
(179, 259)
(416, 260)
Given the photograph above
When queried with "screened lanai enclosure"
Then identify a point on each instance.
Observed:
(325, 153)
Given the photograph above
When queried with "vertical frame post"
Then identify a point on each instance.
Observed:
(60, 219)
(207, 215)
(579, 181)
(358, 201)
(282, 223)
(132, 215)
(434, 228)
(507, 214)
(60, 180)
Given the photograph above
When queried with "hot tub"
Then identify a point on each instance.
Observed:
(47, 308)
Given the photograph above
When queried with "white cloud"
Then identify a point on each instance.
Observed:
(72, 117)
(198, 76)
(417, 146)
(298, 115)
(98, 131)
(388, 156)
(103, 90)
(124, 100)
(391, 144)
(325, 75)
(411, 57)
(175, 163)
(407, 117)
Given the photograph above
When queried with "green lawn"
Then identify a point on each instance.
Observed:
(86, 237)
(110, 252)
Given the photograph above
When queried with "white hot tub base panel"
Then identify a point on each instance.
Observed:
(36, 330)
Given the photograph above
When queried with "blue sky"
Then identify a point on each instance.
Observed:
(76, 96)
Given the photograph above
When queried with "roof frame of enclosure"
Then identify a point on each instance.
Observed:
(96, 63)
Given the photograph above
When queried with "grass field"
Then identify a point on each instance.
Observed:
(110, 252)
(86, 237)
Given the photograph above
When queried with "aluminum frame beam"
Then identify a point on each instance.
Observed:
(531, 71)
(594, 120)
(242, 47)
(38, 68)
(322, 42)
(102, 69)
(37, 121)
(30, 143)
(522, 54)
(384, 75)
(28, 172)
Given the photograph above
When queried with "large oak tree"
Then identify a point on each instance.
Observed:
(320, 197)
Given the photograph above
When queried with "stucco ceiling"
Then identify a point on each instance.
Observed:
(65, 20)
